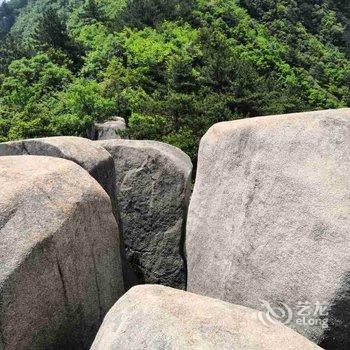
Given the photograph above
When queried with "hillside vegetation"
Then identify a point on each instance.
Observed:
(172, 68)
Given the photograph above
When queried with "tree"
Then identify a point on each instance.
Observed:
(140, 14)
(10, 50)
(52, 33)
(172, 68)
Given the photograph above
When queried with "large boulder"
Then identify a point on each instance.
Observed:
(269, 220)
(86, 153)
(94, 159)
(157, 317)
(153, 182)
(109, 129)
(60, 268)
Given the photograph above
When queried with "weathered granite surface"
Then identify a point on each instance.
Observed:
(269, 219)
(153, 182)
(94, 159)
(60, 269)
(158, 317)
(109, 129)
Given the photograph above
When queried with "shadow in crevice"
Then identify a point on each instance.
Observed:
(337, 335)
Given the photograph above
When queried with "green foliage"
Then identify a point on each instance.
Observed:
(145, 126)
(8, 12)
(184, 139)
(150, 13)
(171, 68)
(84, 98)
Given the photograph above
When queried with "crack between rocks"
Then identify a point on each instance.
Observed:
(4, 221)
(24, 146)
(69, 311)
(64, 288)
(97, 285)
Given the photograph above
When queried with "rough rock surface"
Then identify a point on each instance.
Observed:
(269, 218)
(90, 156)
(60, 269)
(157, 317)
(153, 188)
(108, 130)
(94, 159)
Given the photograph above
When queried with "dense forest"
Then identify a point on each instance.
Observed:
(171, 68)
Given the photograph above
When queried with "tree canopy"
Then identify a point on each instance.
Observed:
(171, 68)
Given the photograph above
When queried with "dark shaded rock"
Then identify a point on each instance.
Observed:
(157, 317)
(60, 268)
(269, 219)
(153, 188)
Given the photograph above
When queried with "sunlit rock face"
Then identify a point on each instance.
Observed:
(60, 267)
(108, 130)
(94, 159)
(269, 219)
(158, 317)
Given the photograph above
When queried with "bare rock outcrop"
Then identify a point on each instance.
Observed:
(86, 153)
(158, 317)
(269, 220)
(94, 159)
(60, 267)
(153, 182)
(108, 130)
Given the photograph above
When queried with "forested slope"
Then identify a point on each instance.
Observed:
(171, 68)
